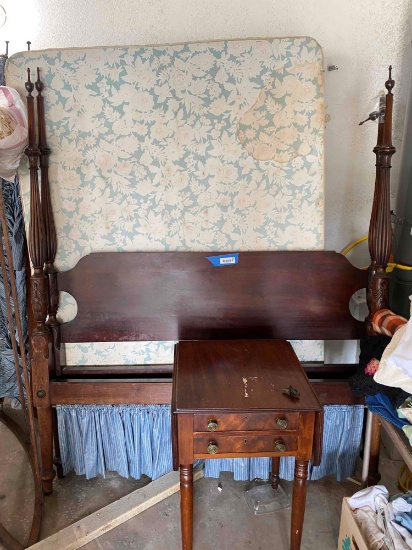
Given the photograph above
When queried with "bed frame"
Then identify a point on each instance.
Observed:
(143, 296)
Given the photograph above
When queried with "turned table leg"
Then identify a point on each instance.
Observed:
(275, 472)
(186, 505)
(375, 444)
(298, 503)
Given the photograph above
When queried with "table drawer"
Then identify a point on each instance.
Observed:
(222, 443)
(246, 421)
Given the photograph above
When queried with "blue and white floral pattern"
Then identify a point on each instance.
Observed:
(206, 146)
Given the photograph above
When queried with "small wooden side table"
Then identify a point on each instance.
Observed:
(234, 398)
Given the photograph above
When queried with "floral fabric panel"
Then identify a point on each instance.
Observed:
(212, 146)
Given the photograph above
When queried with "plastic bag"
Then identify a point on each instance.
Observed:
(13, 131)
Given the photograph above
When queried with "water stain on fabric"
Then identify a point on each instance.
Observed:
(286, 117)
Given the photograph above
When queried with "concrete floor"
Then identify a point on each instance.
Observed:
(221, 518)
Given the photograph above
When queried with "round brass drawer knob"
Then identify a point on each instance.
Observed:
(212, 425)
(280, 447)
(212, 448)
(281, 423)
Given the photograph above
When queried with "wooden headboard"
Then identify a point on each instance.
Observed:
(131, 296)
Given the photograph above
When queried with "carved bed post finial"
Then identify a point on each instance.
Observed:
(380, 233)
(36, 235)
(390, 83)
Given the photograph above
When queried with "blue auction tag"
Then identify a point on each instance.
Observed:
(224, 259)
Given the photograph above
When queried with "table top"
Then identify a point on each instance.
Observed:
(233, 375)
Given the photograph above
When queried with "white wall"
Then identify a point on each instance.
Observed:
(362, 37)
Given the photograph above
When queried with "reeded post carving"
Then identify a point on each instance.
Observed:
(36, 242)
(380, 233)
(50, 236)
(36, 234)
(36, 238)
(40, 337)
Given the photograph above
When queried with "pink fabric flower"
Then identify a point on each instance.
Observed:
(372, 367)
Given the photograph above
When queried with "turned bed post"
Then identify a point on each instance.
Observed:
(40, 341)
(380, 242)
(50, 239)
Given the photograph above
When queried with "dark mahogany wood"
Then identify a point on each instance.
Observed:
(134, 391)
(184, 424)
(40, 341)
(318, 438)
(259, 421)
(314, 371)
(89, 392)
(206, 384)
(36, 243)
(242, 443)
(116, 370)
(186, 505)
(47, 212)
(380, 243)
(298, 503)
(374, 476)
(274, 478)
(258, 372)
(50, 246)
(181, 295)
(50, 237)
(380, 231)
(336, 393)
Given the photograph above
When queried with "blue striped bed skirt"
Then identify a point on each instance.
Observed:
(136, 439)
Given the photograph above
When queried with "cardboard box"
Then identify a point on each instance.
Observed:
(350, 537)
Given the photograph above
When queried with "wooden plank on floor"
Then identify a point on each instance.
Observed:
(399, 440)
(109, 517)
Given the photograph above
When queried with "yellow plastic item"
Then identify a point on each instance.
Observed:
(390, 267)
(355, 243)
(404, 478)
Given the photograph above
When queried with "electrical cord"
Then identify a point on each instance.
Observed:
(404, 478)
(391, 266)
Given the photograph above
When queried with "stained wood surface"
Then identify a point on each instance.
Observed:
(240, 375)
(316, 370)
(245, 377)
(244, 443)
(103, 392)
(129, 392)
(255, 421)
(298, 503)
(127, 296)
